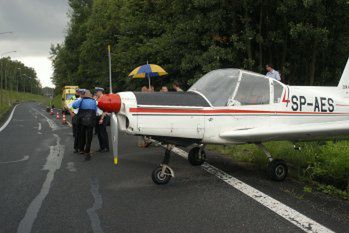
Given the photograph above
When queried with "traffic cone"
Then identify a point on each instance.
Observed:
(64, 120)
(57, 115)
(51, 111)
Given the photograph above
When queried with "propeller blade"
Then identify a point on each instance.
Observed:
(115, 136)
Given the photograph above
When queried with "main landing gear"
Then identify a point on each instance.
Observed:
(197, 156)
(163, 173)
(277, 169)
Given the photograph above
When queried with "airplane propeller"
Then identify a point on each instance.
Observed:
(115, 136)
(112, 103)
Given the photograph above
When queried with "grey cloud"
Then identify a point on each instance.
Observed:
(35, 23)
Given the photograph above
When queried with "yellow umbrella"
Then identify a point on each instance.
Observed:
(148, 71)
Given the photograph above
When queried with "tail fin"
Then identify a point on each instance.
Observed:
(344, 81)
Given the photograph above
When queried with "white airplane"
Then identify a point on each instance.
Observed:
(231, 106)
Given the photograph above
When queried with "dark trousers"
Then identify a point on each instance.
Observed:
(102, 135)
(75, 132)
(76, 136)
(85, 138)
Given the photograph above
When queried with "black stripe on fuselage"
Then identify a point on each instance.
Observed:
(171, 99)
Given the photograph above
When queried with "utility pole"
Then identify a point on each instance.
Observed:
(109, 58)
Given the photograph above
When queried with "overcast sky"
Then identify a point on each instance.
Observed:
(36, 24)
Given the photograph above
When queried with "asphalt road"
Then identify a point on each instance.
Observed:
(46, 188)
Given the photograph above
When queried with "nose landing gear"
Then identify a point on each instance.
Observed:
(163, 173)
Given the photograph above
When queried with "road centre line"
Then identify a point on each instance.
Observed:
(8, 119)
(50, 122)
(53, 163)
(97, 204)
(26, 157)
(291, 215)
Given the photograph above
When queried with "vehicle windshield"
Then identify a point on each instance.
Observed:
(69, 96)
(217, 86)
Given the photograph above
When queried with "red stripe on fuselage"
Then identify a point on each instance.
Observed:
(220, 111)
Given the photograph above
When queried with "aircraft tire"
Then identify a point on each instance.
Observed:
(195, 158)
(160, 179)
(277, 170)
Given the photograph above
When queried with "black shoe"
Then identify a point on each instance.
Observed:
(75, 151)
(105, 150)
(88, 157)
(82, 152)
(100, 150)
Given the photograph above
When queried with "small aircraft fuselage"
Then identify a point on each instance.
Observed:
(230, 102)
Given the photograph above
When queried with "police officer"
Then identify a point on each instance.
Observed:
(86, 120)
(102, 122)
(74, 119)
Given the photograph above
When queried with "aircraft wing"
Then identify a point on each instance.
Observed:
(324, 130)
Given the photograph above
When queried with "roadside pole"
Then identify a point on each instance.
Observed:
(109, 58)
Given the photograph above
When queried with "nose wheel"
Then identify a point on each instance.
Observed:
(163, 173)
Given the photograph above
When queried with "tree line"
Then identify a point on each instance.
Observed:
(15, 76)
(306, 40)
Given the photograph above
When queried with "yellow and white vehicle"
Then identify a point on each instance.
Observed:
(68, 96)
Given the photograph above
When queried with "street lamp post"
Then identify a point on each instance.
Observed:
(18, 77)
(31, 87)
(1, 78)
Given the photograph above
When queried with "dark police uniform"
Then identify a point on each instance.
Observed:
(86, 120)
(102, 131)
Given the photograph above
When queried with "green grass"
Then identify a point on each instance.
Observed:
(11, 97)
(323, 165)
(57, 101)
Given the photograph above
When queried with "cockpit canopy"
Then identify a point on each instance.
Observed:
(234, 87)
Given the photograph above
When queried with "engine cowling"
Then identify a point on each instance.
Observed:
(110, 103)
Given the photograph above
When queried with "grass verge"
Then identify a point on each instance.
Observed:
(9, 98)
(322, 166)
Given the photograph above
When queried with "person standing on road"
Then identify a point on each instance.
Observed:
(176, 86)
(74, 119)
(272, 73)
(101, 124)
(86, 120)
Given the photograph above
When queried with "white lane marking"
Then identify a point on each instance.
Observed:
(26, 157)
(8, 120)
(291, 215)
(50, 122)
(39, 127)
(53, 163)
(97, 204)
(71, 167)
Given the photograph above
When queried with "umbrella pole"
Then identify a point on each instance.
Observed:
(149, 83)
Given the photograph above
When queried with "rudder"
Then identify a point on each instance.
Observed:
(344, 81)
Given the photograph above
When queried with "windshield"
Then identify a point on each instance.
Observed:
(217, 86)
(253, 90)
(70, 96)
